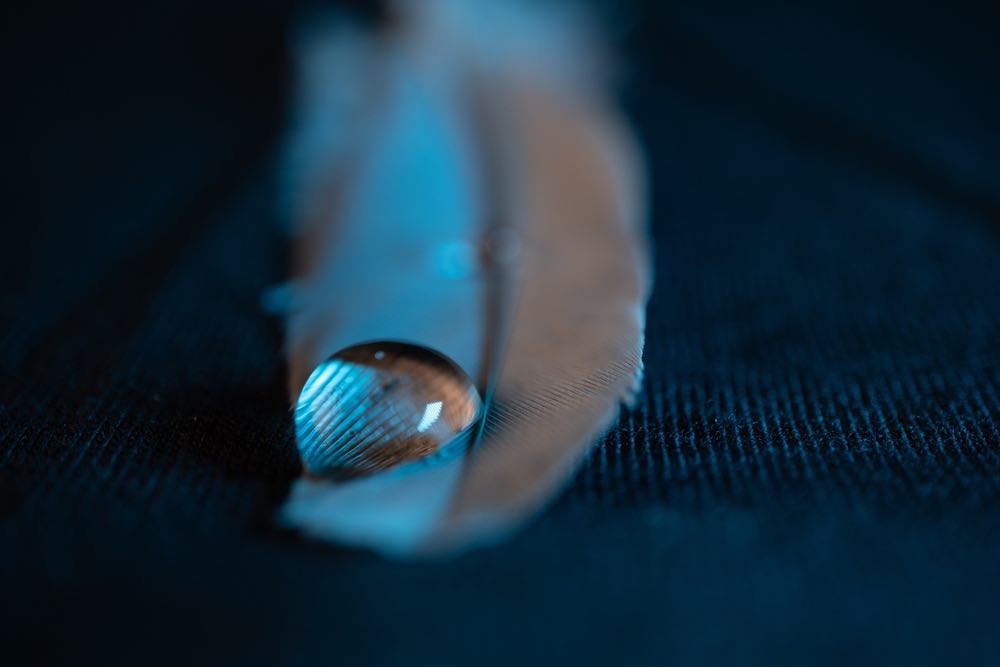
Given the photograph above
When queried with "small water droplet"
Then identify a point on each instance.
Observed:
(501, 246)
(456, 260)
(375, 405)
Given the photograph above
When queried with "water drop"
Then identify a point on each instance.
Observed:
(375, 405)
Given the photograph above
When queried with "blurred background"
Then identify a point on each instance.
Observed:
(812, 473)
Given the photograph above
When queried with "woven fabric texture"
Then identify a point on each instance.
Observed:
(812, 473)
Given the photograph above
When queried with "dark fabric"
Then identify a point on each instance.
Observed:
(812, 474)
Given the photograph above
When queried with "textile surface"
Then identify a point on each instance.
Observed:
(811, 475)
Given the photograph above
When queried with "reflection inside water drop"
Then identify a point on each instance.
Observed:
(374, 405)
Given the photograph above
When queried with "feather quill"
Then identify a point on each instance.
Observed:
(409, 145)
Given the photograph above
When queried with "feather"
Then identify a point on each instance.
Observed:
(466, 121)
